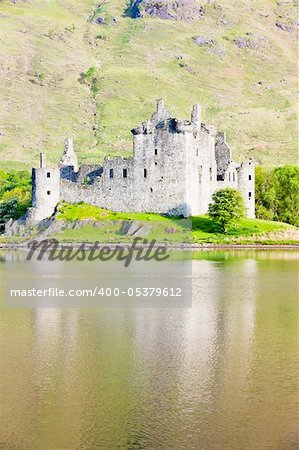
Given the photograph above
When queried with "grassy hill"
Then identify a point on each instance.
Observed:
(74, 68)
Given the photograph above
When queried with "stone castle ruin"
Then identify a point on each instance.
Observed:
(176, 167)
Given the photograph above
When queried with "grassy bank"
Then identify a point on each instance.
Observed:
(245, 231)
(86, 223)
(200, 230)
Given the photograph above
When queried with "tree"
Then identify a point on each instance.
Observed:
(15, 195)
(14, 179)
(277, 194)
(287, 194)
(265, 194)
(228, 205)
(22, 195)
(8, 210)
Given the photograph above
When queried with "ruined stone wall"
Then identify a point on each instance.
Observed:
(69, 157)
(117, 184)
(88, 173)
(111, 192)
(77, 192)
(230, 176)
(68, 173)
(222, 155)
(152, 181)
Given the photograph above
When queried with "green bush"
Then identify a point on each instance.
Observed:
(15, 195)
(10, 210)
(227, 206)
(91, 79)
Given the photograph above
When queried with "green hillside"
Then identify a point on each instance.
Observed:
(63, 73)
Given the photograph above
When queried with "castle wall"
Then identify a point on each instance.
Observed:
(117, 190)
(68, 173)
(88, 173)
(111, 192)
(230, 177)
(201, 169)
(209, 168)
(154, 179)
(222, 154)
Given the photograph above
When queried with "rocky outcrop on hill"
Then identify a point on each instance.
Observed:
(287, 15)
(203, 41)
(250, 40)
(24, 227)
(211, 44)
(135, 228)
(17, 1)
(166, 9)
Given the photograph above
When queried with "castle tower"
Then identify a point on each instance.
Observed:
(69, 157)
(246, 185)
(161, 147)
(45, 189)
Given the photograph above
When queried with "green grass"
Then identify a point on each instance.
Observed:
(163, 228)
(203, 230)
(110, 233)
(136, 62)
(244, 231)
(79, 211)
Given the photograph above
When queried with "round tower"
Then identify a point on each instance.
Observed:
(246, 184)
(45, 189)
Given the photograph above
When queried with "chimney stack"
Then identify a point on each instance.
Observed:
(160, 105)
(196, 115)
(69, 144)
(42, 160)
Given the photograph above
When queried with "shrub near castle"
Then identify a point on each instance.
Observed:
(228, 205)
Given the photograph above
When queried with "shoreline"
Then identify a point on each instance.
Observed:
(179, 246)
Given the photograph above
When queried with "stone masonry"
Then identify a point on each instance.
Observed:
(175, 168)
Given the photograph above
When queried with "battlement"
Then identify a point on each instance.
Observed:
(162, 120)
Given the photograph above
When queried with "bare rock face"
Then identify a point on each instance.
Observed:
(250, 40)
(166, 9)
(286, 13)
(203, 41)
(284, 27)
(135, 228)
(211, 44)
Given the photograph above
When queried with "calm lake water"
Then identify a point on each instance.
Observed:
(220, 375)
